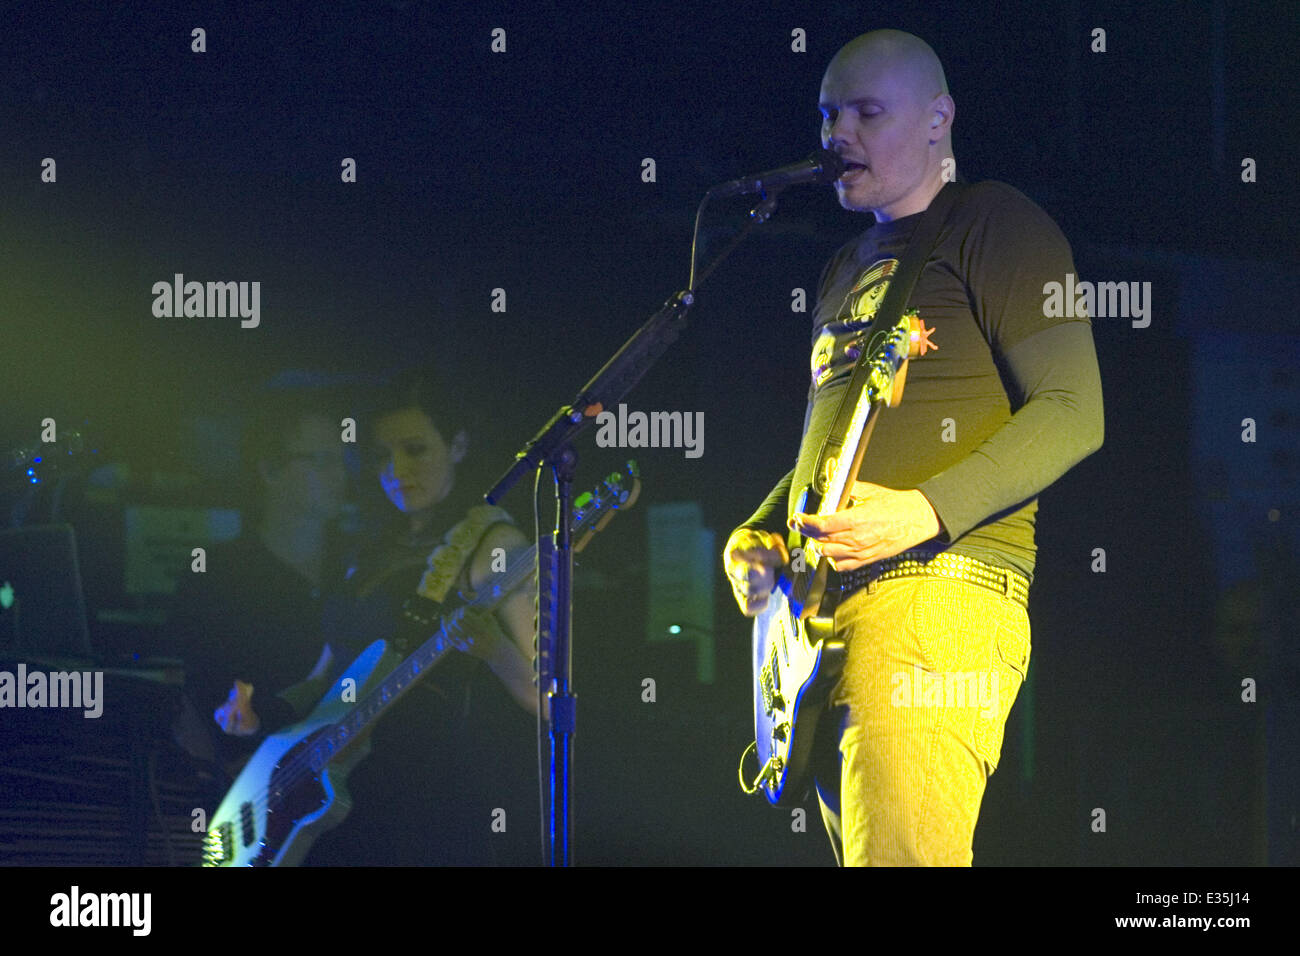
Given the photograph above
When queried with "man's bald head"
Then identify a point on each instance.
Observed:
(907, 58)
(885, 108)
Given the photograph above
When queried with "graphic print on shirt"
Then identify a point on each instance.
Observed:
(840, 341)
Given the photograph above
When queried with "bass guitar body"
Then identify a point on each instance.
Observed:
(286, 796)
(293, 789)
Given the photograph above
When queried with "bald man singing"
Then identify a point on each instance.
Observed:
(934, 559)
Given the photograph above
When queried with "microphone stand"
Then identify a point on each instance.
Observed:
(552, 447)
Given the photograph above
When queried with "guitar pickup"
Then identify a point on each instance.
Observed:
(247, 829)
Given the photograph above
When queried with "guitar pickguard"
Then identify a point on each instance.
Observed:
(282, 801)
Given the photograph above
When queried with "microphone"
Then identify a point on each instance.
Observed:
(822, 166)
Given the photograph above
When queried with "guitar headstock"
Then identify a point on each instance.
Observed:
(912, 330)
(594, 509)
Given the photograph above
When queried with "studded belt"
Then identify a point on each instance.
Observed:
(959, 567)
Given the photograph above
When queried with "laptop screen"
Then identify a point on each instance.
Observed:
(42, 609)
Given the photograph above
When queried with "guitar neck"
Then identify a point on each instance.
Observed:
(855, 449)
(878, 391)
(339, 737)
(591, 512)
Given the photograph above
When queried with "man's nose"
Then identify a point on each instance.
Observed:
(832, 132)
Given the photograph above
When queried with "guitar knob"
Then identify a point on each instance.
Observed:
(778, 702)
(781, 731)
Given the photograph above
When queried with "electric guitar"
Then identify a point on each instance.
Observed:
(293, 788)
(795, 660)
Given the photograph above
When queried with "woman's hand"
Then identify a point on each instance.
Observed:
(484, 630)
(236, 716)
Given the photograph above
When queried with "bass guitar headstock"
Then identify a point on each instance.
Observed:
(594, 509)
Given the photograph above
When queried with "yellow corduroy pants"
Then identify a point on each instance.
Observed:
(933, 667)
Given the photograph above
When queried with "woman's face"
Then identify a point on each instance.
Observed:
(416, 467)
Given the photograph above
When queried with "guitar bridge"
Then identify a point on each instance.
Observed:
(217, 850)
(772, 699)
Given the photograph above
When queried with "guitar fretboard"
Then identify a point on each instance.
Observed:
(339, 736)
(520, 565)
(884, 364)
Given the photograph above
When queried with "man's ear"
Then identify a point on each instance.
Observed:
(459, 446)
(943, 112)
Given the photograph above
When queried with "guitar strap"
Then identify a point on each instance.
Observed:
(918, 249)
(459, 544)
(443, 566)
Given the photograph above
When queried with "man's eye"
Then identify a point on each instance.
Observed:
(416, 449)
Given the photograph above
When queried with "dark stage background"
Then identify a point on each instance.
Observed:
(522, 171)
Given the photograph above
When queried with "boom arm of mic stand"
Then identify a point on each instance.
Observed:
(553, 446)
(618, 377)
(621, 373)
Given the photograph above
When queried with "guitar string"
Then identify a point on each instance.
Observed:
(294, 771)
(888, 351)
(300, 765)
(515, 575)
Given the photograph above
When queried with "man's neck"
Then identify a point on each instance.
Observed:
(916, 201)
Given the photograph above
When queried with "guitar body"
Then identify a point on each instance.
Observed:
(280, 804)
(796, 663)
(294, 787)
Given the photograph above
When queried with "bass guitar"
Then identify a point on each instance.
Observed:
(294, 787)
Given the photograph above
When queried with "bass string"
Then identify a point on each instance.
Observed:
(300, 765)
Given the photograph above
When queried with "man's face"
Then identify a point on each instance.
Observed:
(314, 477)
(879, 127)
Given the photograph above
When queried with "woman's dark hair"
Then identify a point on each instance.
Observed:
(419, 387)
